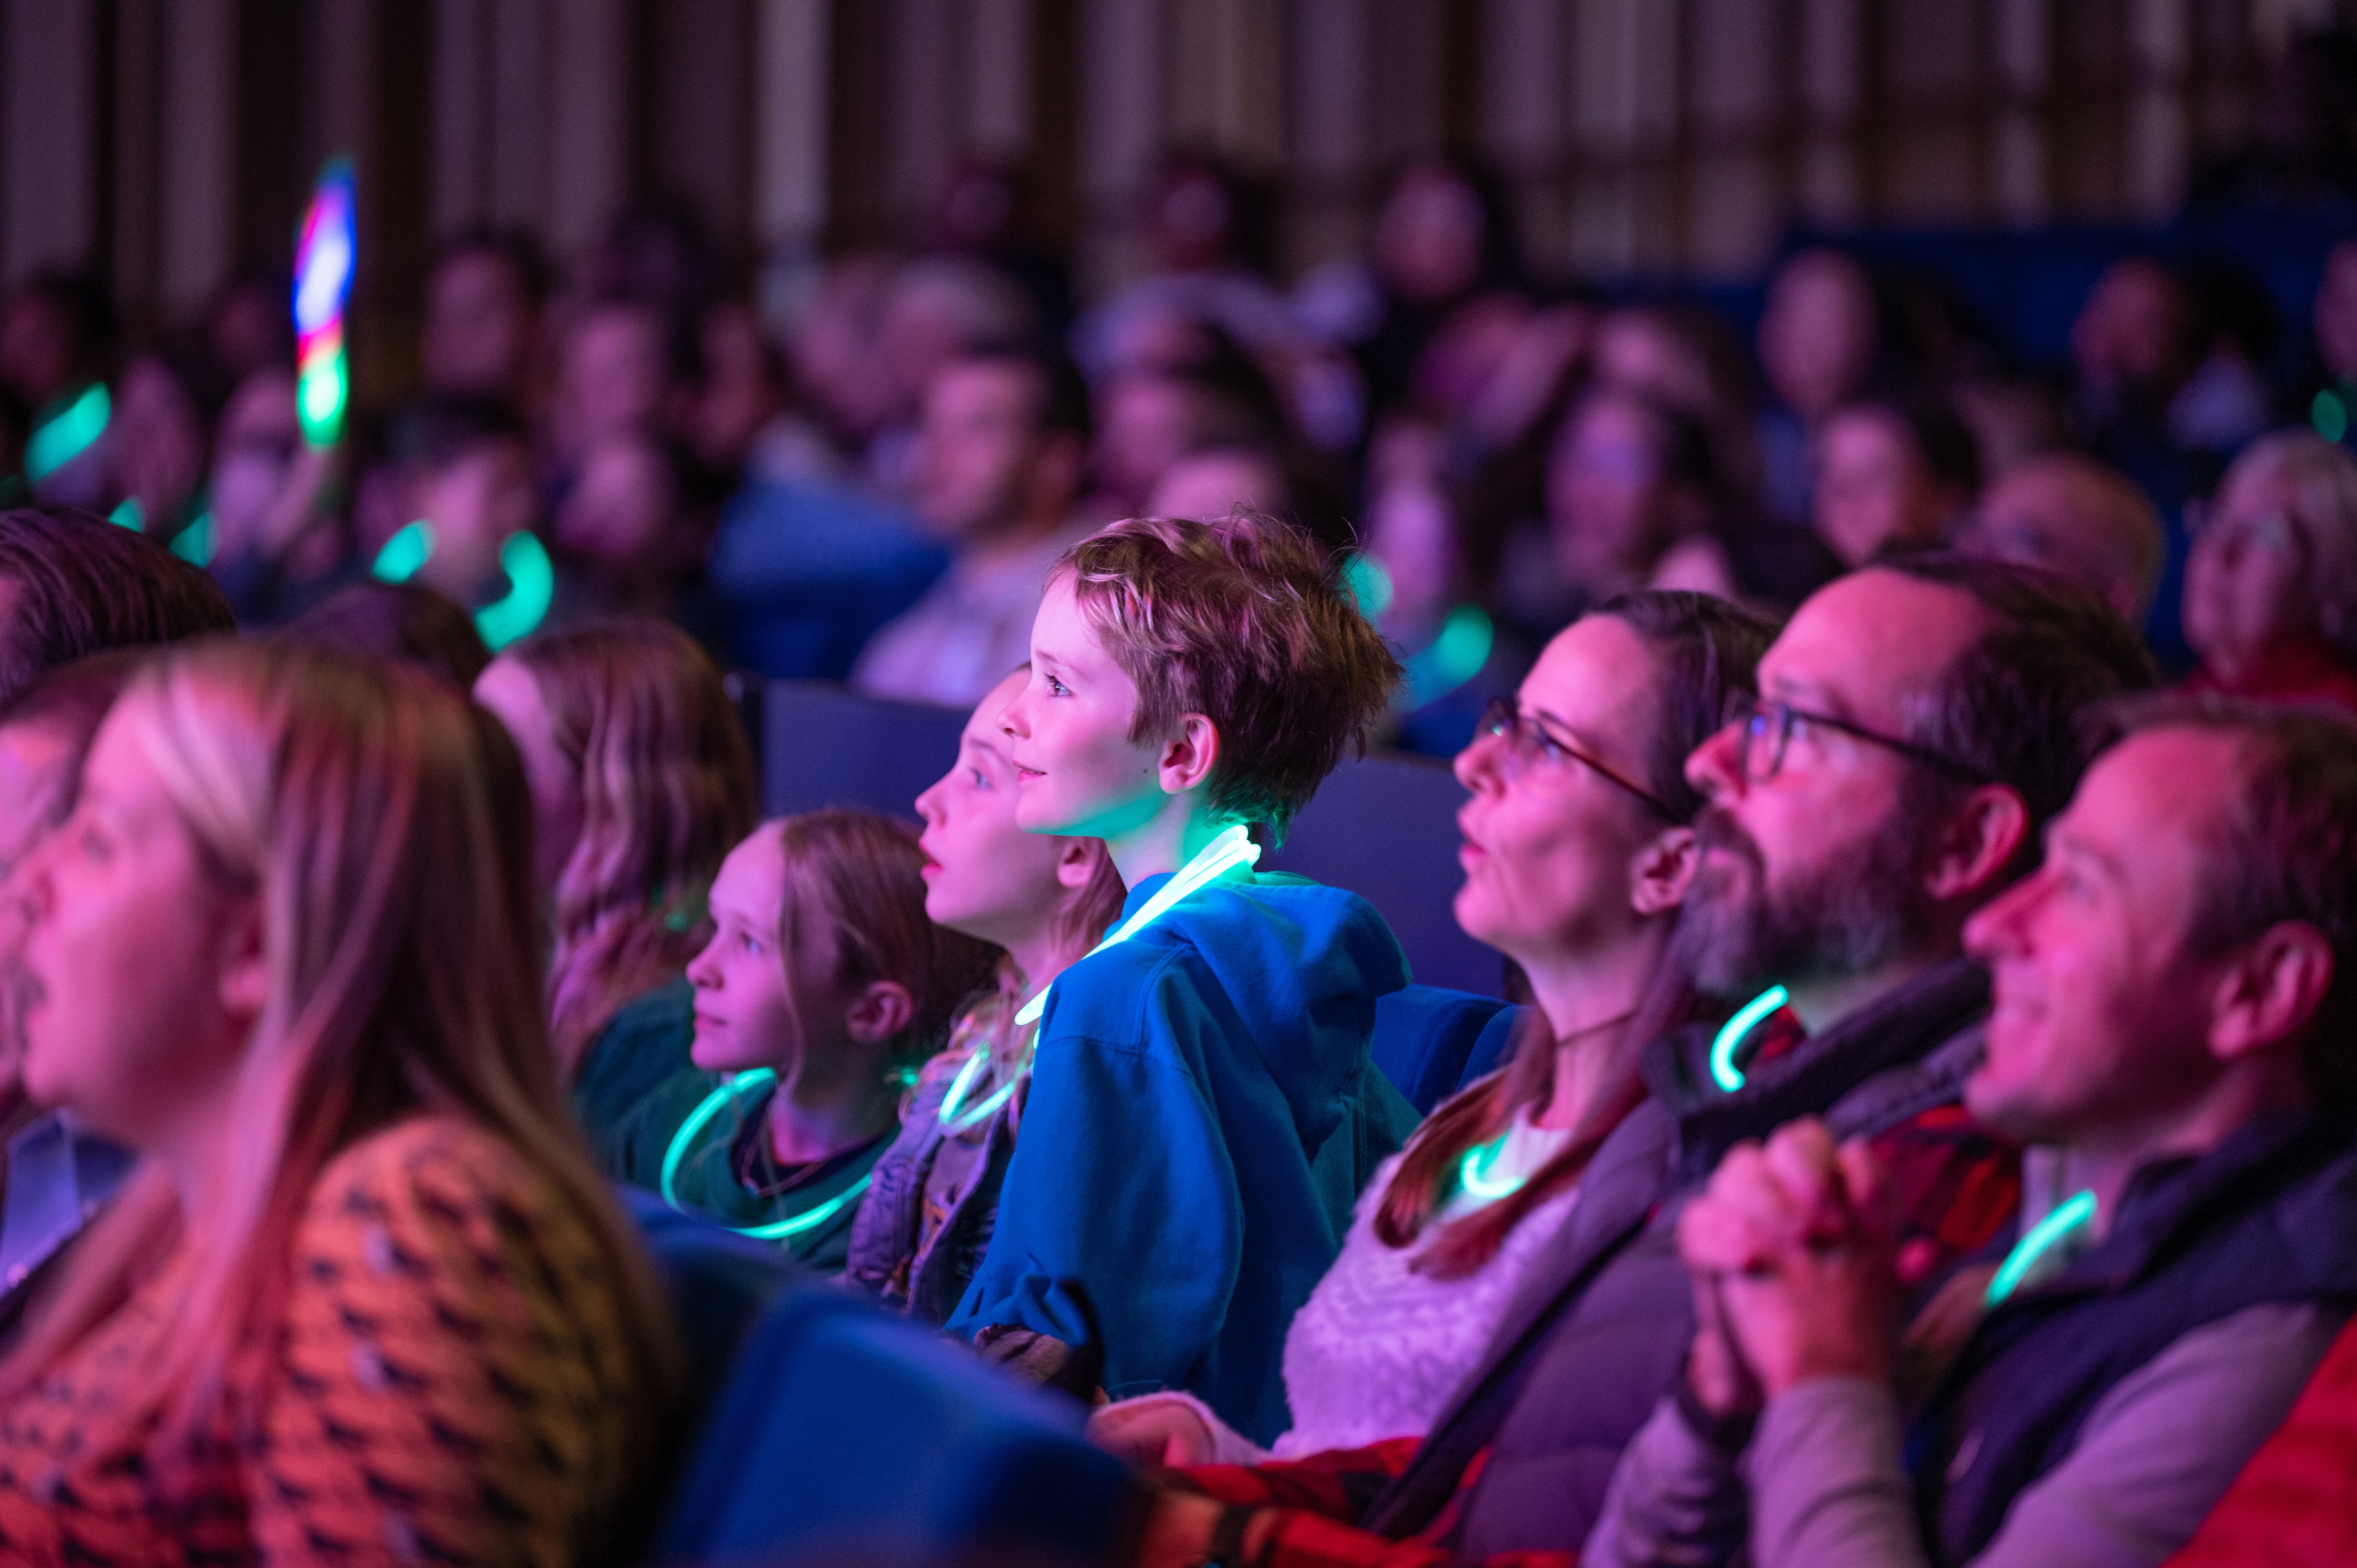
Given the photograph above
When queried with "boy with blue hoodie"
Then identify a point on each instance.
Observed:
(1203, 1108)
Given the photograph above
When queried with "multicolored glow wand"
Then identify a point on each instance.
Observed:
(323, 284)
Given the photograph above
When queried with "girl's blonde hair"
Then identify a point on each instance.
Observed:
(381, 823)
(666, 787)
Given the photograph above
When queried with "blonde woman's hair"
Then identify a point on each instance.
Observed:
(667, 788)
(380, 822)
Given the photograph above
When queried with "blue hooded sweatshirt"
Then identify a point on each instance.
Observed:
(1202, 1113)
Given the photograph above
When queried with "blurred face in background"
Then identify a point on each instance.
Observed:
(36, 351)
(836, 363)
(2132, 332)
(1146, 423)
(1817, 336)
(981, 446)
(2248, 582)
(1607, 516)
(480, 327)
(623, 509)
(1642, 352)
(2062, 513)
(157, 441)
(260, 476)
(473, 502)
(614, 377)
(1192, 221)
(740, 391)
(1873, 489)
(1209, 485)
(1429, 237)
(2336, 311)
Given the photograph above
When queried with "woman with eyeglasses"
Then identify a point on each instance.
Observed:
(2271, 589)
(1578, 851)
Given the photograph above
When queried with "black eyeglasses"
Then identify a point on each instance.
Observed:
(1764, 729)
(1528, 741)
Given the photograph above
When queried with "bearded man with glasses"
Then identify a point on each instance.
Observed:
(1920, 721)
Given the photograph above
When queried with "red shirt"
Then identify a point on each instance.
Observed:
(2308, 674)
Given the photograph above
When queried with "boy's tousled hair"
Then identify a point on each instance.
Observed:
(1247, 622)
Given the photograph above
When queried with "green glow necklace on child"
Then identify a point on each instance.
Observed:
(746, 1083)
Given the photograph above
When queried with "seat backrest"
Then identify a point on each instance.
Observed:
(1431, 1041)
(1384, 827)
(844, 1436)
(719, 1283)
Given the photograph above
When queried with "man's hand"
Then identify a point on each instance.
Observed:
(1152, 1431)
(1177, 1530)
(1790, 1251)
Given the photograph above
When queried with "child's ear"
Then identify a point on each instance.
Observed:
(879, 1011)
(1076, 862)
(1189, 755)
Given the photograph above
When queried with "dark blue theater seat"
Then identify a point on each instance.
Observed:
(827, 1431)
(719, 1283)
(1385, 826)
(1431, 1041)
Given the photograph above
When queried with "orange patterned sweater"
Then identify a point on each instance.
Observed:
(450, 1390)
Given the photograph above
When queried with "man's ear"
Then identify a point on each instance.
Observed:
(1189, 755)
(246, 960)
(2270, 990)
(1662, 871)
(1976, 842)
(1076, 862)
(879, 1010)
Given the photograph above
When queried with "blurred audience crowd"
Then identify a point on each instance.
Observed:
(1910, 797)
(868, 486)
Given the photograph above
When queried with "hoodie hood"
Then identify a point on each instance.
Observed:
(1299, 963)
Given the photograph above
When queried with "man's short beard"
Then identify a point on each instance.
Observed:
(1859, 911)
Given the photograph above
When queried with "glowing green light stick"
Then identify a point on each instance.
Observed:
(68, 435)
(1731, 1037)
(2042, 1238)
(779, 1230)
(324, 259)
(1233, 847)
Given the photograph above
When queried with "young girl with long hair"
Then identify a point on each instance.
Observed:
(365, 1295)
(1045, 900)
(642, 780)
(1578, 851)
(825, 985)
